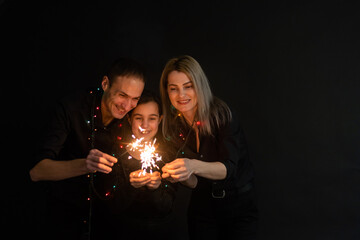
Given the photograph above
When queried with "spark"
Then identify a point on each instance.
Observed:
(148, 155)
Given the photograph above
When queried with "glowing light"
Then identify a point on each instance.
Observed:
(141, 129)
(148, 156)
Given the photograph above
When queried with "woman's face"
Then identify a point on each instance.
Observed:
(145, 120)
(182, 94)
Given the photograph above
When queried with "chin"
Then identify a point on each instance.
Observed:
(184, 109)
(118, 115)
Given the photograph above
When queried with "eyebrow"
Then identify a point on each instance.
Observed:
(170, 84)
(138, 114)
(128, 95)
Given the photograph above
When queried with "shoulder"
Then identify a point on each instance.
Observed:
(79, 98)
(231, 123)
(221, 114)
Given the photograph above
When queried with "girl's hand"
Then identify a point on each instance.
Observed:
(138, 179)
(155, 180)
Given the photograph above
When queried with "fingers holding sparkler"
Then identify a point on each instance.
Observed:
(177, 170)
(139, 179)
(155, 180)
(99, 161)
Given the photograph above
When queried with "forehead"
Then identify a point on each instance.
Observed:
(132, 86)
(149, 108)
(178, 78)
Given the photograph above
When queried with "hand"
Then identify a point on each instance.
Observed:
(138, 179)
(155, 180)
(178, 170)
(99, 161)
(167, 176)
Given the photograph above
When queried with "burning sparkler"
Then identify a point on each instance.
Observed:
(148, 156)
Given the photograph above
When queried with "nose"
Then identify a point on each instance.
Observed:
(144, 123)
(182, 92)
(127, 105)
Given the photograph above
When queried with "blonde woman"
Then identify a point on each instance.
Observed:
(211, 154)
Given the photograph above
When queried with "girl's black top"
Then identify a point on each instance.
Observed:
(117, 197)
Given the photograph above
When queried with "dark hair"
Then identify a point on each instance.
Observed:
(125, 67)
(148, 96)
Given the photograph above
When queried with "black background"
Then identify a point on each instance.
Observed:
(290, 68)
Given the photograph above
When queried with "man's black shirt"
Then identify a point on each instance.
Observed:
(75, 128)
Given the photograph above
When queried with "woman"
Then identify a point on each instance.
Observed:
(211, 154)
(139, 201)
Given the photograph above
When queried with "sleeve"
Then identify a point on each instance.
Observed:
(233, 148)
(55, 134)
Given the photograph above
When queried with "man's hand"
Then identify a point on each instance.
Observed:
(99, 161)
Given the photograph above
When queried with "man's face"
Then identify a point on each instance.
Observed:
(121, 96)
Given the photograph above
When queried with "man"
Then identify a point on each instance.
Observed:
(80, 141)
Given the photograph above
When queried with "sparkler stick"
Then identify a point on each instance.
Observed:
(148, 156)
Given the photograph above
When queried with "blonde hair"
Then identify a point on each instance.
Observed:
(211, 111)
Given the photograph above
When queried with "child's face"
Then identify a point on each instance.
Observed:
(147, 117)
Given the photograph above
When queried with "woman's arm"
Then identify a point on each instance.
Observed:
(191, 182)
(185, 169)
(209, 170)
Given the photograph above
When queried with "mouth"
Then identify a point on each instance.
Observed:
(183, 102)
(119, 109)
(143, 131)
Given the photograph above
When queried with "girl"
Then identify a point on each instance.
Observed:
(211, 154)
(140, 203)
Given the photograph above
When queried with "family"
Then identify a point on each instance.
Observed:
(95, 185)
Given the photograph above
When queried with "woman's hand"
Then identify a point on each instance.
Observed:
(139, 179)
(178, 170)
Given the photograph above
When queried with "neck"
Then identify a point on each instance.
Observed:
(189, 118)
(106, 115)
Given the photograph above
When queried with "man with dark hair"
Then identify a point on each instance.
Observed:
(80, 141)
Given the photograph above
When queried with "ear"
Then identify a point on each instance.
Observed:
(105, 84)
(128, 118)
(160, 118)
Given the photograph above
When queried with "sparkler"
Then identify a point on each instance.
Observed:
(148, 156)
